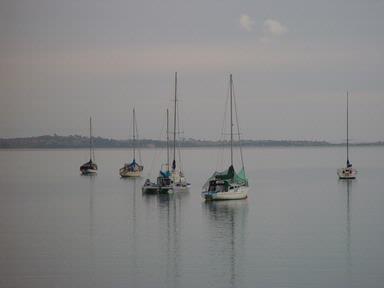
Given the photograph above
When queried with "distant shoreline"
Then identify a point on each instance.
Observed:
(80, 142)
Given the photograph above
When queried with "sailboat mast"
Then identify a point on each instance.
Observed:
(230, 93)
(167, 140)
(174, 126)
(347, 130)
(90, 138)
(134, 130)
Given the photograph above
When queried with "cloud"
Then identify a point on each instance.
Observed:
(246, 22)
(274, 28)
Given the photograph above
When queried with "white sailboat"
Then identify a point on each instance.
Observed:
(132, 169)
(90, 167)
(347, 172)
(228, 184)
(179, 182)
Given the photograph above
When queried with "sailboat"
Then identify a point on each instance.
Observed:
(228, 184)
(132, 169)
(163, 182)
(347, 172)
(179, 182)
(90, 167)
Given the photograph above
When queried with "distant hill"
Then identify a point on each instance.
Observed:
(77, 141)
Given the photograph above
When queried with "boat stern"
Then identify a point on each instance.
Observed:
(347, 173)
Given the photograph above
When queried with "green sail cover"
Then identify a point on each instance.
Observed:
(225, 175)
(240, 178)
(230, 176)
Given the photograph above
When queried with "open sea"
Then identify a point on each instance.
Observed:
(299, 227)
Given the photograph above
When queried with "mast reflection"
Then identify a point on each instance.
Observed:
(170, 208)
(227, 221)
(347, 188)
(91, 192)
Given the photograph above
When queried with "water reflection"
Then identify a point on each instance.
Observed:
(91, 231)
(133, 233)
(347, 188)
(349, 198)
(169, 209)
(91, 195)
(227, 221)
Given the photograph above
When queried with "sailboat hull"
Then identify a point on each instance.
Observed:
(180, 187)
(130, 173)
(89, 168)
(240, 193)
(88, 172)
(347, 173)
(163, 185)
(154, 189)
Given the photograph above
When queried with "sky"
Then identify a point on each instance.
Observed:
(292, 64)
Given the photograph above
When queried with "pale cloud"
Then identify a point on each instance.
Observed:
(246, 22)
(274, 28)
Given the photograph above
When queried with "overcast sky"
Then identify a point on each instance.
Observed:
(292, 63)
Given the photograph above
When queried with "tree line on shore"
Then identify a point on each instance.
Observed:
(78, 141)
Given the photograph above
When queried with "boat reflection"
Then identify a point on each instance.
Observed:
(91, 226)
(135, 188)
(347, 189)
(91, 200)
(227, 221)
(170, 207)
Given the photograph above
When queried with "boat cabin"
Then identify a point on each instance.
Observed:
(218, 186)
(163, 181)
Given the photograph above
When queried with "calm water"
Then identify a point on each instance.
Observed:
(300, 226)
